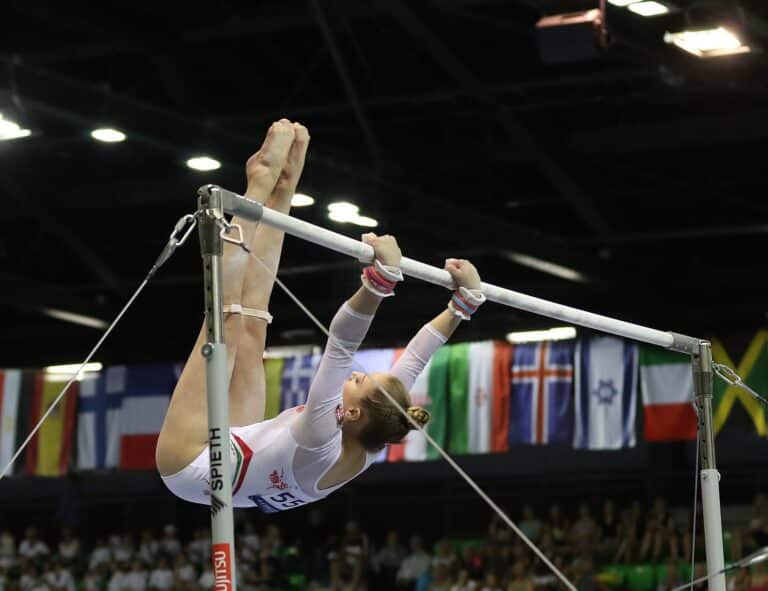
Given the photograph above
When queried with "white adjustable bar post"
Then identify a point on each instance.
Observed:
(215, 353)
(710, 477)
(238, 205)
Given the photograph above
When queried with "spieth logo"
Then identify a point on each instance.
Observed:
(222, 568)
(277, 480)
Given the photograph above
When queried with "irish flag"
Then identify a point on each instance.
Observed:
(666, 381)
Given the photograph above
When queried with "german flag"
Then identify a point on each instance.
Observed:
(50, 451)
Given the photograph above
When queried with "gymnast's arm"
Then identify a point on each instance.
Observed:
(318, 424)
(435, 333)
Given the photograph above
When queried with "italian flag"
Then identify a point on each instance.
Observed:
(666, 381)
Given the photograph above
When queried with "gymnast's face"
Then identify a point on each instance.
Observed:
(357, 387)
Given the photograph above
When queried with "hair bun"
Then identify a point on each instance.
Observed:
(419, 415)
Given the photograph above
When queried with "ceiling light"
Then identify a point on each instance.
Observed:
(10, 130)
(301, 200)
(365, 221)
(74, 318)
(108, 135)
(650, 8)
(708, 42)
(65, 372)
(621, 3)
(546, 267)
(343, 211)
(552, 334)
(203, 163)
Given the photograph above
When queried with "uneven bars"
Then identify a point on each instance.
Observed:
(241, 206)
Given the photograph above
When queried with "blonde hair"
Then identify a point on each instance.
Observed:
(385, 423)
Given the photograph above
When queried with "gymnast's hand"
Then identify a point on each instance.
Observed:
(463, 272)
(385, 248)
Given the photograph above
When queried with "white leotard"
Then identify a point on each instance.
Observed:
(277, 463)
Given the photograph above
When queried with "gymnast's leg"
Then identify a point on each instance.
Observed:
(184, 433)
(248, 388)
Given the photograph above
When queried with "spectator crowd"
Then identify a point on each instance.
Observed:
(590, 548)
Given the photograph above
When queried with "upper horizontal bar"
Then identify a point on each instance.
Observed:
(241, 206)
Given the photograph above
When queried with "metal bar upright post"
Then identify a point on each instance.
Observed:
(710, 477)
(217, 387)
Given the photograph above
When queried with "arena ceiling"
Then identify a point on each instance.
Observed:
(640, 170)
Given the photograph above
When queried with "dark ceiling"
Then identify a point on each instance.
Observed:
(641, 170)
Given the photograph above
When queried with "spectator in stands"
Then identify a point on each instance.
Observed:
(122, 548)
(206, 579)
(557, 525)
(100, 554)
(31, 546)
(530, 524)
(149, 547)
(69, 546)
(441, 577)
(520, 579)
(609, 528)
(445, 555)
(628, 543)
(491, 583)
(463, 582)
(758, 578)
(348, 564)
(59, 577)
(136, 578)
(250, 540)
(499, 531)
(93, 580)
(118, 579)
(387, 561)
(473, 559)
(184, 573)
(758, 525)
(584, 532)
(199, 549)
(31, 580)
(414, 565)
(161, 577)
(169, 544)
(740, 580)
(7, 549)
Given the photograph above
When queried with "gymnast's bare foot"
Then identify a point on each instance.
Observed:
(280, 199)
(265, 168)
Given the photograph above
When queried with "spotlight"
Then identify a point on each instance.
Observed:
(203, 163)
(649, 8)
(108, 135)
(301, 200)
(707, 42)
(10, 130)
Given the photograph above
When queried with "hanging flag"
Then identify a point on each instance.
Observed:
(606, 393)
(415, 442)
(98, 419)
(502, 386)
(273, 375)
(481, 361)
(25, 417)
(375, 361)
(541, 410)
(10, 389)
(753, 369)
(298, 372)
(458, 397)
(396, 451)
(666, 381)
(438, 395)
(50, 450)
(146, 391)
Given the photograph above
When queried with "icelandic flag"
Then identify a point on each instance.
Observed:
(120, 413)
(606, 393)
(298, 372)
(541, 388)
(98, 420)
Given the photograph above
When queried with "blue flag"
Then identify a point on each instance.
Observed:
(298, 372)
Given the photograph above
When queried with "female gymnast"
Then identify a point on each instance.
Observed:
(307, 452)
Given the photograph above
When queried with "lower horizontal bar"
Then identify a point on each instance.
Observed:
(241, 206)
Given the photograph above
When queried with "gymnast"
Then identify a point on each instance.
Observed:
(306, 452)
